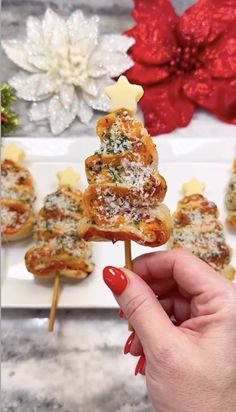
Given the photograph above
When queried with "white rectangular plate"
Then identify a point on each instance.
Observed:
(208, 159)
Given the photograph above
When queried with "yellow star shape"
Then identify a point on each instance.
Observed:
(12, 152)
(124, 95)
(192, 187)
(68, 177)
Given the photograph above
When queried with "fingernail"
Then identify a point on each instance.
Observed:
(140, 365)
(121, 314)
(115, 279)
(129, 343)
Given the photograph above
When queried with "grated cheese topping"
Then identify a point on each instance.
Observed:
(141, 180)
(57, 201)
(9, 180)
(63, 229)
(10, 218)
(112, 206)
(64, 225)
(64, 242)
(14, 186)
(203, 235)
(129, 173)
(116, 140)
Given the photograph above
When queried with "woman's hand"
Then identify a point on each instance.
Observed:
(190, 361)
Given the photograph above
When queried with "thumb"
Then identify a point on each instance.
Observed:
(141, 307)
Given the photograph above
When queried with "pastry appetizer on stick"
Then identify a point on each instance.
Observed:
(196, 227)
(59, 252)
(17, 196)
(125, 193)
(230, 199)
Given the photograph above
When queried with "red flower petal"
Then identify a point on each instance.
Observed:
(154, 44)
(154, 34)
(146, 75)
(149, 9)
(220, 57)
(216, 95)
(206, 20)
(165, 107)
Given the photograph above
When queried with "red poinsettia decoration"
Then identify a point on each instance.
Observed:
(184, 62)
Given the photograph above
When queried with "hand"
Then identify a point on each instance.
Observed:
(189, 363)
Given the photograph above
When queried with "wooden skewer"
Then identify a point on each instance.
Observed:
(55, 296)
(128, 265)
(128, 257)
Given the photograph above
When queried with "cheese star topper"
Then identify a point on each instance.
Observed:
(124, 95)
(12, 152)
(192, 187)
(68, 177)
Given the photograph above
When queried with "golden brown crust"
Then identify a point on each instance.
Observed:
(58, 249)
(198, 202)
(197, 228)
(17, 220)
(46, 263)
(17, 191)
(131, 128)
(22, 182)
(152, 232)
(125, 189)
(231, 220)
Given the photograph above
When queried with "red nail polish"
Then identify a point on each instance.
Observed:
(121, 314)
(129, 343)
(115, 279)
(140, 365)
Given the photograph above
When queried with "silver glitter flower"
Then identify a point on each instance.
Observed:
(67, 65)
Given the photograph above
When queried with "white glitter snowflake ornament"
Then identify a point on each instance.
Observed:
(66, 67)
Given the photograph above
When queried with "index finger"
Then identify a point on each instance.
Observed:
(189, 272)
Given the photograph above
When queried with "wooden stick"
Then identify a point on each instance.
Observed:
(56, 290)
(128, 257)
(128, 265)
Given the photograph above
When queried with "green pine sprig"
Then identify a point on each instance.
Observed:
(9, 120)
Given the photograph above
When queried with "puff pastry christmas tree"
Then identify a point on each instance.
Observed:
(125, 193)
(59, 252)
(197, 227)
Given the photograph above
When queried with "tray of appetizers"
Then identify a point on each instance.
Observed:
(210, 160)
